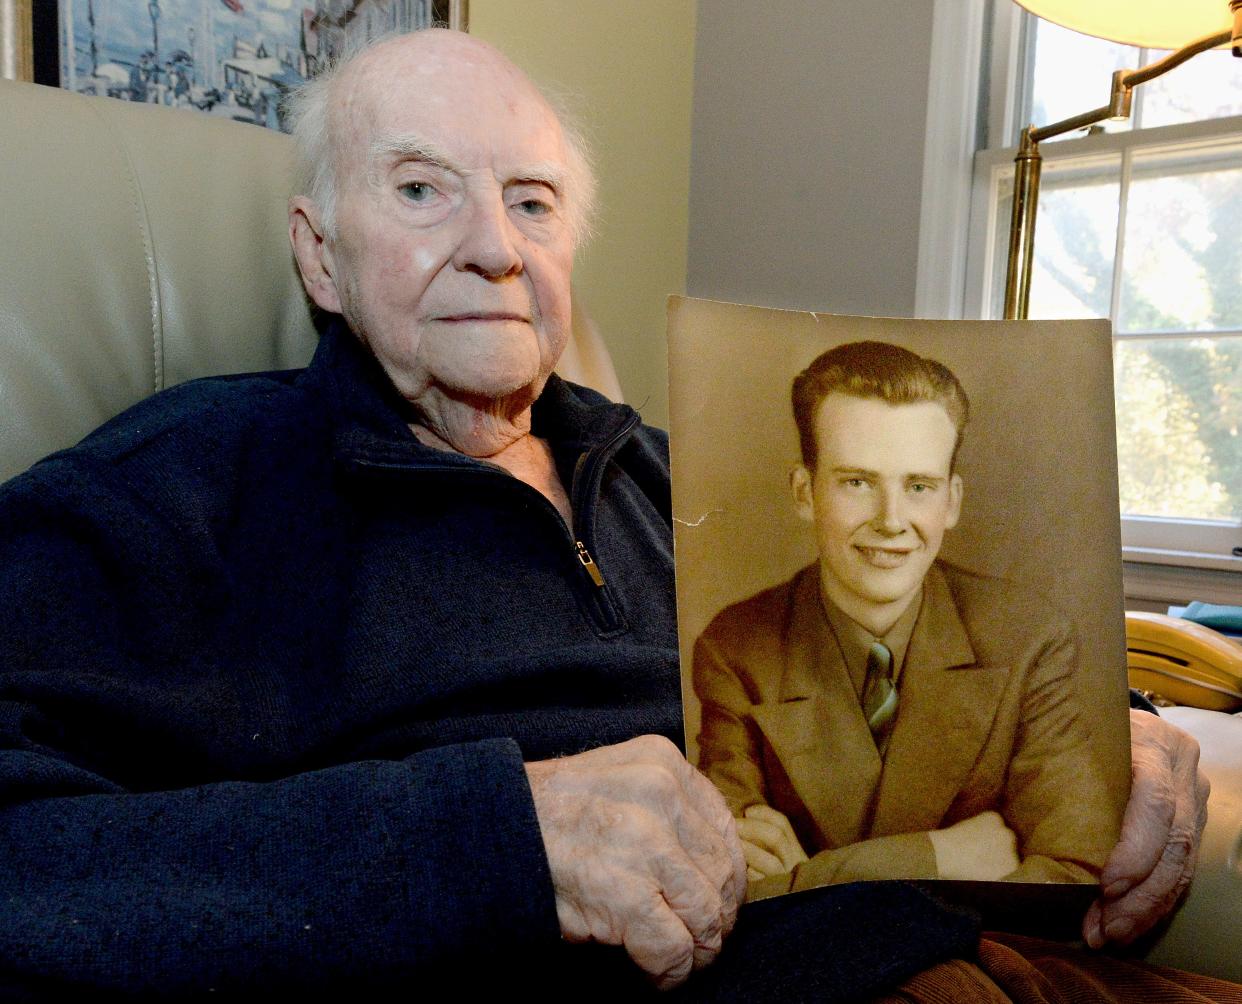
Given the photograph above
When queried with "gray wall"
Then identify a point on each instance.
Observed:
(807, 155)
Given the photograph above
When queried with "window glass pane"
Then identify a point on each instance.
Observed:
(1073, 73)
(1183, 244)
(1207, 87)
(1179, 426)
(1178, 350)
(1075, 240)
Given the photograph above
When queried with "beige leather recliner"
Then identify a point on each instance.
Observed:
(142, 246)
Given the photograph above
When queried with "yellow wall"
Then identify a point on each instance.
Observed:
(627, 67)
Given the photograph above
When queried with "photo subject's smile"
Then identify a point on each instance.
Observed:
(883, 557)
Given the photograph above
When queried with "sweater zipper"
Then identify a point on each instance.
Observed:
(584, 487)
(587, 472)
(588, 563)
(580, 549)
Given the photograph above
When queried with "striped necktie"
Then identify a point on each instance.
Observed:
(879, 695)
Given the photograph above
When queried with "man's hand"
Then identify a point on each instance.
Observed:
(1152, 864)
(768, 842)
(643, 853)
(981, 848)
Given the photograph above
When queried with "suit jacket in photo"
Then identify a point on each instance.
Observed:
(989, 719)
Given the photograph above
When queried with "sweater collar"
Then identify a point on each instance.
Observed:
(371, 419)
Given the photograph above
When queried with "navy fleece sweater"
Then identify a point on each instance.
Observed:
(269, 669)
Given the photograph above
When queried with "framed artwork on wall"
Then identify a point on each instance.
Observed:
(234, 59)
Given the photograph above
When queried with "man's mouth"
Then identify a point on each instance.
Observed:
(883, 557)
(482, 317)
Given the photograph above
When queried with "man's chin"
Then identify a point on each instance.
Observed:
(886, 586)
(520, 388)
(492, 369)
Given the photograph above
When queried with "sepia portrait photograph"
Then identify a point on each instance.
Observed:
(899, 593)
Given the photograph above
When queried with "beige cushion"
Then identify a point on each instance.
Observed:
(142, 246)
(139, 246)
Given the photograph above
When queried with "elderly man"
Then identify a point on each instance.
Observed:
(296, 668)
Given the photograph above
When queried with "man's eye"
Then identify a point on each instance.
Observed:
(534, 207)
(919, 488)
(417, 191)
(855, 483)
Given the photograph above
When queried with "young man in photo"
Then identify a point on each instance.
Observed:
(884, 714)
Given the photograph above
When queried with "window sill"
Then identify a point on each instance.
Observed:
(1167, 578)
(1181, 559)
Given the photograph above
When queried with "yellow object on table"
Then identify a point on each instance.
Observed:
(1184, 662)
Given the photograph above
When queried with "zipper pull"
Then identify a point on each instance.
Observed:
(589, 563)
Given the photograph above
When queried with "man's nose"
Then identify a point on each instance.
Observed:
(889, 518)
(488, 239)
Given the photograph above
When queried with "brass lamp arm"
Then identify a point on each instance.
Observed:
(1028, 162)
(1132, 78)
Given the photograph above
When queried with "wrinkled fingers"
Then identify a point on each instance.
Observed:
(660, 944)
(657, 752)
(1125, 918)
(695, 901)
(714, 853)
(1150, 812)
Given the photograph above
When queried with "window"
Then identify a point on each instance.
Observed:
(1141, 222)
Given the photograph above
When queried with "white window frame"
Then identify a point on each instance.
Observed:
(975, 55)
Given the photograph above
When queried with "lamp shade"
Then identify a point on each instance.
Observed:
(1156, 24)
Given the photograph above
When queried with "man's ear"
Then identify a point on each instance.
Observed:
(955, 501)
(313, 253)
(802, 487)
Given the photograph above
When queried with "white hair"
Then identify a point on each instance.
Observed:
(308, 112)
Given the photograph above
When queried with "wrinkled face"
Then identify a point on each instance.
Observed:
(881, 498)
(453, 249)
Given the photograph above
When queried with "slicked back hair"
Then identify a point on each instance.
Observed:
(875, 370)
